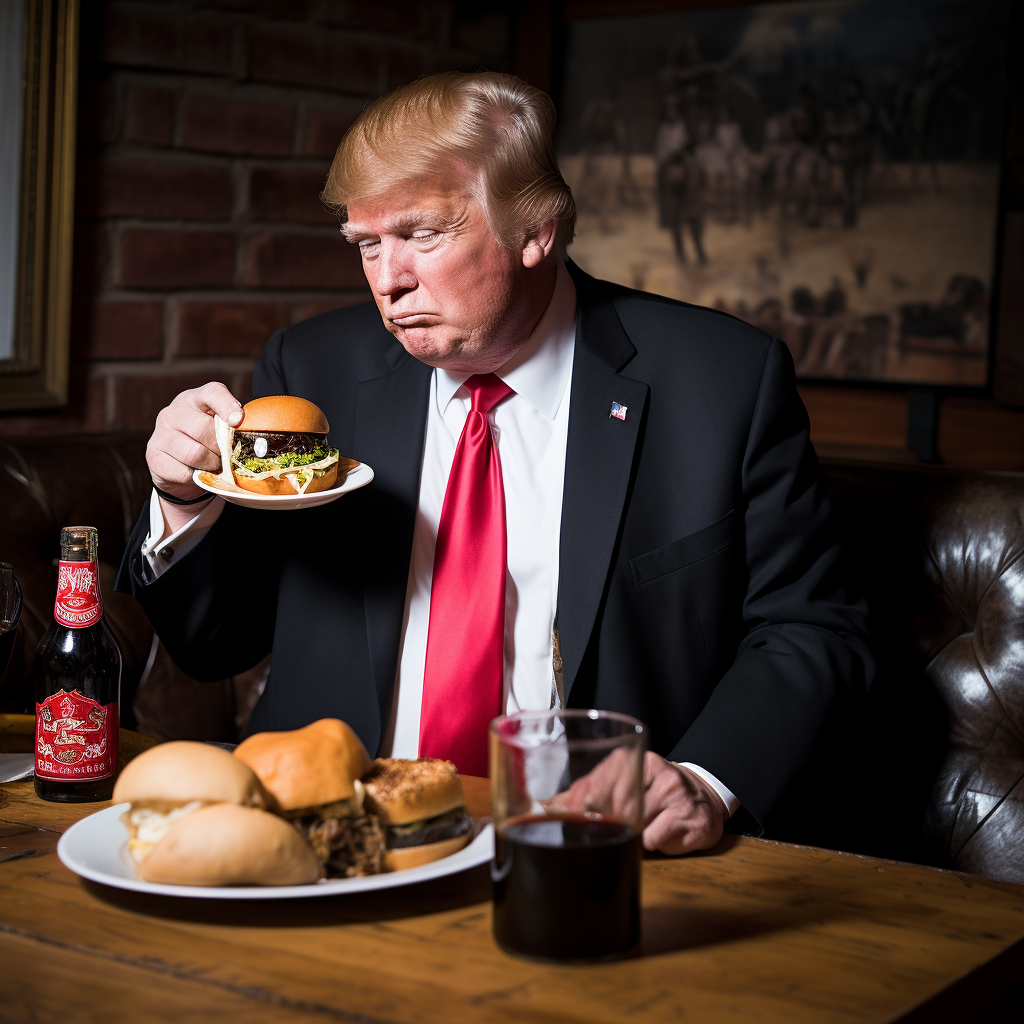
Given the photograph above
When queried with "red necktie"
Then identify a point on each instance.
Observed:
(462, 676)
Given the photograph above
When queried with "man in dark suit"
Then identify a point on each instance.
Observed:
(693, 580)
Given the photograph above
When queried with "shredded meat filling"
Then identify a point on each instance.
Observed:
(346, 847)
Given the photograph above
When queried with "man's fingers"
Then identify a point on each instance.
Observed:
(197, 426)
(607, 788)
(675, 831)
(188, 451)
(166, 470)
(215, 398)
(669, 787)
(681, 813)
(653, 765)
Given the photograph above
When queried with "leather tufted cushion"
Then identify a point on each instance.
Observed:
(50, 482)
(930, 768)
(101, 481)
(969, 631)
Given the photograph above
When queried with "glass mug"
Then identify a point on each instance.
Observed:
(567, 796)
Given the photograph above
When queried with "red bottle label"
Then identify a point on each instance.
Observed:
(78, 601)
(76, 738)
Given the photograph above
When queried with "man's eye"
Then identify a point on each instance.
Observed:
(369, 246)
(424, 234)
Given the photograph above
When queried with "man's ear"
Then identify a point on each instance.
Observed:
(539, 246)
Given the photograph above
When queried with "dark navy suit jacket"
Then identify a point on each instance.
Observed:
(700, 586)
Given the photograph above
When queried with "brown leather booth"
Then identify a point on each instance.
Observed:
(930, 768)
(102, 481)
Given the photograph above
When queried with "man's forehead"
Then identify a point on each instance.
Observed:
(400, 210)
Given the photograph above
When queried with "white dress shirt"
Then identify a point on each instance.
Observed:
(530, 429)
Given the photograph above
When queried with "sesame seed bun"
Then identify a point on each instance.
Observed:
(224, 844)
(318, 764)
(400, 791)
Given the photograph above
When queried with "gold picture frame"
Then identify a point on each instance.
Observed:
(35, 374)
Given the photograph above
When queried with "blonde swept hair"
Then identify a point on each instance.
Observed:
(494, 128)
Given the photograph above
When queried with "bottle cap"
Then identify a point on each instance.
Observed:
(79, 544)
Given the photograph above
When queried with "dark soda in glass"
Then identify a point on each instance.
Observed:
(567, 887)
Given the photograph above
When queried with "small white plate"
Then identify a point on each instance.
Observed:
(358, 476)
(97, 848)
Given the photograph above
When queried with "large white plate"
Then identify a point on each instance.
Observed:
(97, 848)
(358, 476)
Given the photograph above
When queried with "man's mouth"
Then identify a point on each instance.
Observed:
(411, 320)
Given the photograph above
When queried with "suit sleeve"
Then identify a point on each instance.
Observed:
(803, 647)
(214, 609)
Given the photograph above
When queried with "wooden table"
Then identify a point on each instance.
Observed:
(752, 931)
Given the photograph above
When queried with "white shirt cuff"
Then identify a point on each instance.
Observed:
(165, 551)
(732, 805)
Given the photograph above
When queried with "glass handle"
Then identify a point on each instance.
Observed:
(10, 598)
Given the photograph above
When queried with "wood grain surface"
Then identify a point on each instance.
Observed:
(752, 931)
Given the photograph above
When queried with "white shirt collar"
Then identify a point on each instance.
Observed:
(539, 371)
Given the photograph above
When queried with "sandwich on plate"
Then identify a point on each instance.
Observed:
(313, 778)
(198, 817)
(280, 447)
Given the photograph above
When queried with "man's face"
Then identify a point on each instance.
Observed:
(443, 284)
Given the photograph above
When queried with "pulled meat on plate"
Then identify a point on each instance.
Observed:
(346, 847)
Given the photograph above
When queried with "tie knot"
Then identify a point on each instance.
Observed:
(486, 391)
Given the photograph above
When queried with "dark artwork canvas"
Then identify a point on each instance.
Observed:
(828, 171)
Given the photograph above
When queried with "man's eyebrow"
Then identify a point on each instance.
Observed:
(400, 224)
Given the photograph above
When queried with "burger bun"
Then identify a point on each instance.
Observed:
(401, 791)
(225, 844)
(182, 771)
(270, 485)
(415, 856)
(285, 414)
(318, 764)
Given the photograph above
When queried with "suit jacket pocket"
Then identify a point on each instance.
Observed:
(652, 565)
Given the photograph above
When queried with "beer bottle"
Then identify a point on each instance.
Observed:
(77, 681)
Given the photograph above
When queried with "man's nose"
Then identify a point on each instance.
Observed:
(394, 274)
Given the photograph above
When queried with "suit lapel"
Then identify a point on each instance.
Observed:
(390, 418)
(598, 465)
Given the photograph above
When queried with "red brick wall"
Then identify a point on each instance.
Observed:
(206, 128)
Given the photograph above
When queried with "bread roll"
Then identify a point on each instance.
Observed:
(318, 764)
(181, 772)
(414, 856)
(225, 844)
(400, 791)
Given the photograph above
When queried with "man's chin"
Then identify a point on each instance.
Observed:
(427, 344)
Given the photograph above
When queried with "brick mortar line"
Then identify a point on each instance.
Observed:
(156, 966)
(247, 90)
(132, 222)
(158, 368)
(245, 295)
(309, 25)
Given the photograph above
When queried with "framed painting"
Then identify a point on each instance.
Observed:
(829, 171)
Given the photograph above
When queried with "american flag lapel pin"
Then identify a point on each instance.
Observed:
(617, 411)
